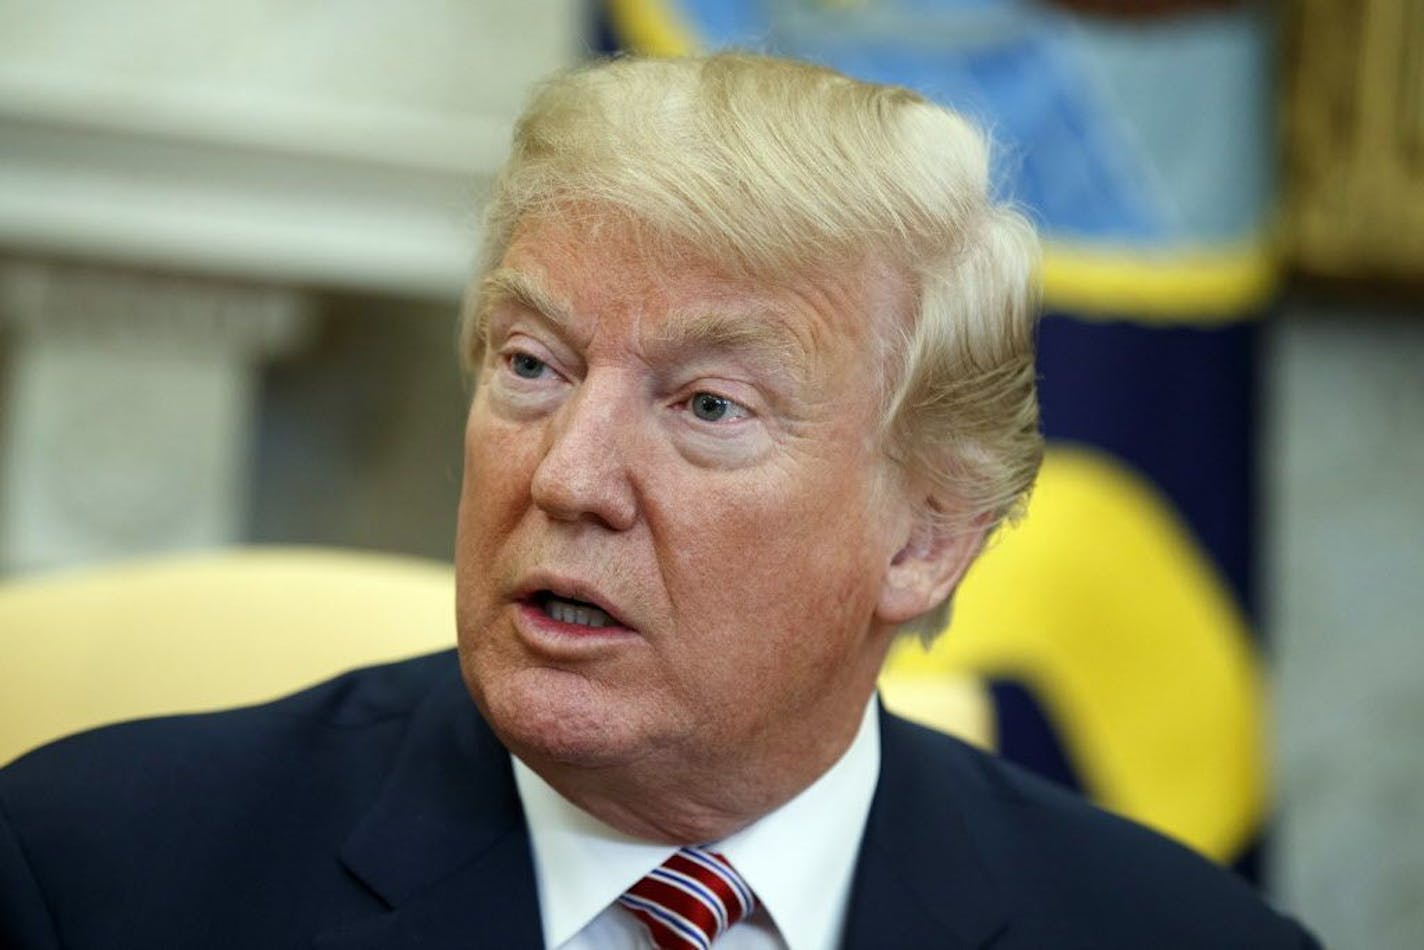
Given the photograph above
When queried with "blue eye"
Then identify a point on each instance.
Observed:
(710, 407)
(526, 366)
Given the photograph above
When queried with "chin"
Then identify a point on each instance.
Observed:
(556, 716)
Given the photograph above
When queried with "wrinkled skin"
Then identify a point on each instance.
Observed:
(721, 492)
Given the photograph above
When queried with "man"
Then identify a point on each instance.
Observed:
(755, 381)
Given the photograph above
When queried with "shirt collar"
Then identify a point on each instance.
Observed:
(583, 865)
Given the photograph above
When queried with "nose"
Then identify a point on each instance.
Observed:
(584, 473)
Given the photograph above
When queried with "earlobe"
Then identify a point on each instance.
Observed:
(928, 567)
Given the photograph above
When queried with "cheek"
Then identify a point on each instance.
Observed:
(777, 562)
(499, 463)
(494, 497)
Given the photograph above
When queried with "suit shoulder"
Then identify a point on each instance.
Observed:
(1114, 882)
(151, 759)
(220, 829)
(369, 694)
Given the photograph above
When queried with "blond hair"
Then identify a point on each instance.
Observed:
(769, 165)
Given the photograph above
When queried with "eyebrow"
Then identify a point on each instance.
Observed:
(758, 333)
(506, 284)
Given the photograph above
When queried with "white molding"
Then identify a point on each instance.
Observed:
(128, 409)
(255, 201)
(345, 146)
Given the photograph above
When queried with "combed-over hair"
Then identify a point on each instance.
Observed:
(769, 166)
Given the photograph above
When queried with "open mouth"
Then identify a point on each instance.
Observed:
(579, 613)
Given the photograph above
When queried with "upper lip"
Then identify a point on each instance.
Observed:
(567, 588)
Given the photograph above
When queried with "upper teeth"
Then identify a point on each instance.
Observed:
(581, 614)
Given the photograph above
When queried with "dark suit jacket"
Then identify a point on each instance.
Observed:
(379, 811)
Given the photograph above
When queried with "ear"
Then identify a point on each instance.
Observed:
(928, 567)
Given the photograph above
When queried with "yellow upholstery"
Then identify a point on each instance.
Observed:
(949, 700)
(202, 632)
(197, 632)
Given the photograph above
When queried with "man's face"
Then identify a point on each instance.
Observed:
(673, 529)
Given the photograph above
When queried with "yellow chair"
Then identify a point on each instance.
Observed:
(199, 632)
(1097, 604)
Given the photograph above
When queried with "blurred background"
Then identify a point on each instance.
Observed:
(233, 239)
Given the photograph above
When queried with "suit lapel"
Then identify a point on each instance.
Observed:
(919, 880)
(445, 846)
(446, 849)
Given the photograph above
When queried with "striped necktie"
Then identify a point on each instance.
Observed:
(689, 900)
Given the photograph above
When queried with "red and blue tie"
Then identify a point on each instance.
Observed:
(689, 900)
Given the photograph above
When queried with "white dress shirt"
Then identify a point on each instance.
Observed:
(798, 859)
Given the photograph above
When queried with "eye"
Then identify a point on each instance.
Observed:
(526, 366)
(710, 407)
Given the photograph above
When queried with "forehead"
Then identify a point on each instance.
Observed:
(586, 271)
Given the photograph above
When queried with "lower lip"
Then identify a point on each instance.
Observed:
(544, 630)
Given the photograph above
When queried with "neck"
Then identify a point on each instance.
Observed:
(699, 802)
